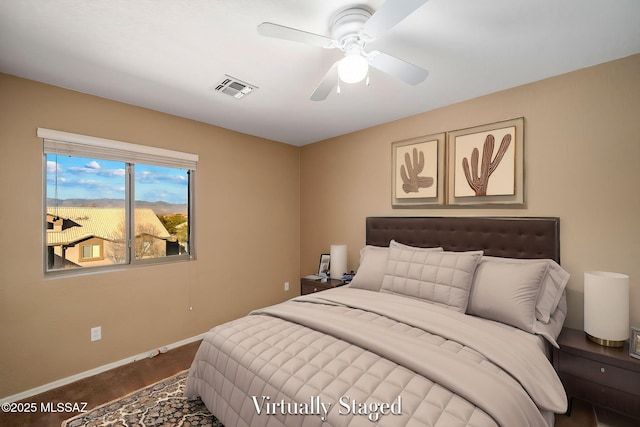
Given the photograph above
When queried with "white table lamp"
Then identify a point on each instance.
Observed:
(338, 264)
(606, 307)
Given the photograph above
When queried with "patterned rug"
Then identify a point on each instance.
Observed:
(160, 404)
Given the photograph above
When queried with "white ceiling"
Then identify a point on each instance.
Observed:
(168, 55)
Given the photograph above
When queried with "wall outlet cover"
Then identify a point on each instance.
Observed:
(96, 333)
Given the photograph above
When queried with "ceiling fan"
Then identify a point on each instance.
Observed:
(352, 29)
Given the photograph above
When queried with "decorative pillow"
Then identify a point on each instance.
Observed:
(373, 263)
(553, 285)
(394, 244)
(507, 292)
(443, 278)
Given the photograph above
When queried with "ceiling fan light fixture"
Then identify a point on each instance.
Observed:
(353, 68)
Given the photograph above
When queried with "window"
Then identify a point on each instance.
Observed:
(110, 203)
(91, 252)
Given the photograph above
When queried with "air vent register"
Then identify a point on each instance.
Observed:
(234, 87)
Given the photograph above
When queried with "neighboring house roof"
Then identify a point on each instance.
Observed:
(105, 223)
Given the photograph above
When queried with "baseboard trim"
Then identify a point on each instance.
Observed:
(91, 372)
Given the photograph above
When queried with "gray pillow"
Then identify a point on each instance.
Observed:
(552, 328)
(507, 292)
(553, 285)
(443, 278)
(394, 244)
(373, 263)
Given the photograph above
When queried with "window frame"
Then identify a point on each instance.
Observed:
(75, 145)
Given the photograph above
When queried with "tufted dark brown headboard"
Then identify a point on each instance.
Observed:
(511, 237)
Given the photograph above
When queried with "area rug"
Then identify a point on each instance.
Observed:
(163, 404)
(160, 404)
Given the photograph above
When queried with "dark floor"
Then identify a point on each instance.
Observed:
(118, 382)
(104, 387)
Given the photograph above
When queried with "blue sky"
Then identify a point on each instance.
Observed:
(82, 178)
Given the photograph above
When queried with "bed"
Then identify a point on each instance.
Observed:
(449, 321)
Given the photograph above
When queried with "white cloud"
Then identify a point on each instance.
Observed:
(53, 167)
(92, 165)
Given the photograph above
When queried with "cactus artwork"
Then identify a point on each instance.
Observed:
(411, 170)
(486, 164)
(417, 176)
(478, 178)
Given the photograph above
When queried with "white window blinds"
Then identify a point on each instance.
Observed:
(71, 144)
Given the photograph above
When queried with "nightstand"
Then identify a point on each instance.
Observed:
(604, 376)
(309, 286)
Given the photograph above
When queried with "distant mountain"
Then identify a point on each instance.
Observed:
(163, 207)
(159, 208)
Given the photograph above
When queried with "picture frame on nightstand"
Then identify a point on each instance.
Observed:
(634, 343)
(324, 265)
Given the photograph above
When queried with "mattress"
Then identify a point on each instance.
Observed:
(352, 357)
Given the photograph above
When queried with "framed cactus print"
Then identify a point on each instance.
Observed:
(418, 172)
(486, 164)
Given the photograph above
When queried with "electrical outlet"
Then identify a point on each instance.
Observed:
(286, 286)
(96, 333)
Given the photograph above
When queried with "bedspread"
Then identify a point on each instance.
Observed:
(350, 357)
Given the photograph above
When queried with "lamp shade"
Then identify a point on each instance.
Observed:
(606, 307)
(338, 261)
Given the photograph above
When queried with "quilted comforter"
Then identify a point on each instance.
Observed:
(350, 357)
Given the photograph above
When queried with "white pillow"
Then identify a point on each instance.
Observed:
(443, 278)
(507, 292)
(553, 285)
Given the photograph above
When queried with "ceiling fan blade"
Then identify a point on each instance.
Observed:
(388, 15)
(269, 29)
(405, 71)
(326, 85)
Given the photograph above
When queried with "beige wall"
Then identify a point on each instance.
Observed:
(248, 238)
(582, 164)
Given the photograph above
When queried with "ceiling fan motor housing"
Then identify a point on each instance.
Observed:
(348, 24)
